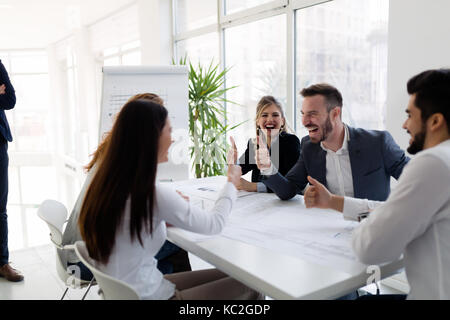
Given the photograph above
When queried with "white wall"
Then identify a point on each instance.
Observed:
(419, 39)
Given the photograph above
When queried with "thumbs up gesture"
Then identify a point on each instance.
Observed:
(232, 153)
(262, 156)
(317, 195)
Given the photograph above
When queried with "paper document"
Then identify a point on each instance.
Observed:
(262, 219)
(207, 188)
(316, 235)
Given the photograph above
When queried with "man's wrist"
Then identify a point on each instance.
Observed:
(261, 187)
(337, 203)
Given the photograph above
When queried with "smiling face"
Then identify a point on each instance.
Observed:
(316, 118)
(270, 119)
(165, 140)
(415, 127)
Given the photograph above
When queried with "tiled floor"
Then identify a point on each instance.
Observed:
(41, 282)
(38, 265)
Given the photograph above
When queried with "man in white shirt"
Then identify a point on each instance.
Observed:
(415, 219)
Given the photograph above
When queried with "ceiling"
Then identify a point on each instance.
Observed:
(38, 23)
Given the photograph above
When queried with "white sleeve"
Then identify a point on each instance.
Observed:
(176, 211)
(353, 207)
(422, 189)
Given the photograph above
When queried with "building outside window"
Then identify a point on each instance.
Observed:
(278, 47)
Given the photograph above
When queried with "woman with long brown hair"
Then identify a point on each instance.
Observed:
(124, 213)
(170, 258)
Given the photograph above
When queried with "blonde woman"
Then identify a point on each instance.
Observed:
(271, 129)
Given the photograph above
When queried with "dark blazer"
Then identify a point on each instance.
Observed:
(374, 158)
(287, 146)
(7, 101)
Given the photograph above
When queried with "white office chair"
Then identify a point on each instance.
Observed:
(110, 288)
(54, 214)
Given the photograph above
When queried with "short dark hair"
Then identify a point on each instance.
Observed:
(332, 95)
(432, 90)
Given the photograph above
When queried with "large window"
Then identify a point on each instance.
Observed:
(128, 54)
(344, 43)
(233, 6)
(194, 14)
(54, 123)
(203, 49)
(255, 53)
(277, 47)
(30, 119)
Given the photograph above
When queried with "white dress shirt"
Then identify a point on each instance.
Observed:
(415, 221)
(340, 180)
(135, 264)
(339, 171)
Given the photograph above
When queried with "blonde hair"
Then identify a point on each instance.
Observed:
(265, 102)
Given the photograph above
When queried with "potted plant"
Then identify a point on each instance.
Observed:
(207, 119)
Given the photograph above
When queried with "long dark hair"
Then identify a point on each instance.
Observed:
(96, 156)
(127, 170)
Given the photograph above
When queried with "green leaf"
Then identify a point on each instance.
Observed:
(207, 118)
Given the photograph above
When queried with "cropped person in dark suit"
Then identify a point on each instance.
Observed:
(352, 162)
(7, 102)
(271, 130)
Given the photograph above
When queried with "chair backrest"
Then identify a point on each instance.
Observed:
(111, 288)
(54, 213)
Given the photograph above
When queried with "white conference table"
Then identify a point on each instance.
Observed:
(277, 275)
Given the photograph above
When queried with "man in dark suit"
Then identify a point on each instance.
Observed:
(350, 162)
(7, 102)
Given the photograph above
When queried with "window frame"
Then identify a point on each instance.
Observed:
(266, 10)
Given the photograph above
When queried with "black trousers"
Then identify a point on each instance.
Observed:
(4, 161)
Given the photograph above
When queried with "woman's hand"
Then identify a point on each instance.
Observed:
(234, 174)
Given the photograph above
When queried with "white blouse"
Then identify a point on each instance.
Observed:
(136, 265)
